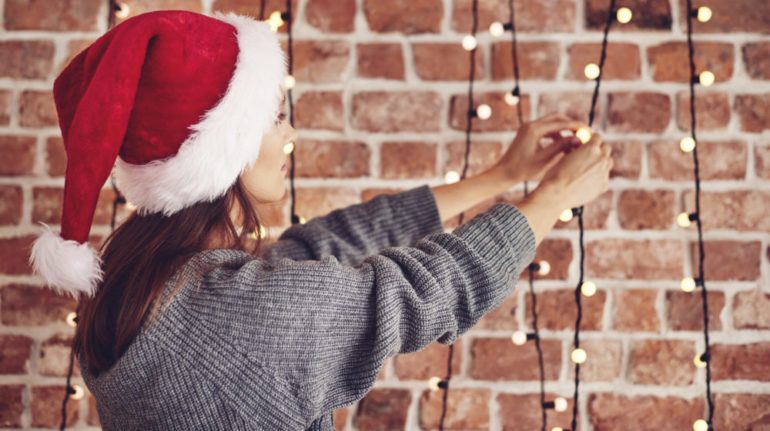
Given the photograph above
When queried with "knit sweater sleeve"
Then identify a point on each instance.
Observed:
(326, 328)
(356, 231)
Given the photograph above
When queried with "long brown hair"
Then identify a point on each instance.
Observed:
(139, 256)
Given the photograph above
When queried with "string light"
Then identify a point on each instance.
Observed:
(542, 267)
(496, 29)
(289, 81)
(520, 338)
(482, 112)
(703, 14)
(288, 148)
(559, 404)
(591, 71)
(451, 177)
(584, 134)
(684, 219)
(578, 356)
(76, 392)
(588, 288)
(469, 42)
(512, 97)
(567, 214)
(687, 144)
(700, 425)
(122, 10)
(436, 383)
(72, 319)
(700, 360)
(276, 20)
(624, 15)
(706, 78)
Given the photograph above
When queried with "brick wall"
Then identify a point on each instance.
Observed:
(380, 104)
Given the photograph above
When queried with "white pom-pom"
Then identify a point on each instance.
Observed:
(68, 267)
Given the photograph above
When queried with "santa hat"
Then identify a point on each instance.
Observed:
(178, 102)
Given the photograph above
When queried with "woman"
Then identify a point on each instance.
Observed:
(184, 322)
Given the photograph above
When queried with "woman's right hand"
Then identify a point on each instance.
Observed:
(582, 175)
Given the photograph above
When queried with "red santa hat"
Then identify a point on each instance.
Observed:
(178, 102)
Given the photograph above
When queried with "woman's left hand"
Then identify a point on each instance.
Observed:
(525, 159)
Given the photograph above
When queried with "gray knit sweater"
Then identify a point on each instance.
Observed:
(280, 341)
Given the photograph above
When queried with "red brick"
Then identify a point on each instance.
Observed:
(399, 160)
(402, 111)
(635, 310)
(627, 159)
(724, 160)
(712, 111)
(537, 60)
(504, 117)
(56, 157)
(574, 104)
(334, 16)
(372, 192)
(546, 16)
(37, 109)
(501, 317)
(556, 310)
(16, 350)
(647, 15)
(483, 155)
(646, 209)
(103, 212)
(404, 16)
(744, 16)
(643, 111)
(12, 405)
(317, 201)
(247, 7)
(742, 210)
(684, 310)
(661, 362)
(320, 110)
(380, 60)
(45, 404)
(642, 412)
(74, 47)
(604, 361)
(437, 61)
(558, 253)
(729, 260)
(466, 409)
(18, 155)
(383, 409)
(332, 159)
(522, 412)
(622, 60)
(647, 259)
(741, 361)
(753, 111)
(595, 214)
(762, 161)
(6, 98)
(65, 15)
(669, 60)
(32, 305)
(10, 205)
(500, 359)
(14, 252)
(428, 362)
(26, 59)
(756, 59)
(751, 310)
(742, 411)
(47, 204)
(144, 6)
(55, 356)
(340, 417)
(320, 61)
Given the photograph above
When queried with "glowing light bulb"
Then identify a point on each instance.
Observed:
(683, 219)
(469, 42)
(578, 356)
(545, 268)
(433, 383)
(451, 177)
(122, 10)
(557, 429)
(275, 21)
(519, 338)
(566, 215)
(706, 78)
(288, 147)
(687, 144)
(687, 284)
(484, 111)
(130, 206)
(496, 29)
(584, 134)
(700, 425)
(302, 220)
(588, 288)
(70, 319)
(591, 71)
(699, 362)
(77, 392)
(289, 82)
(511, 99)
(704, 14)
(560, 404)
(624, 15)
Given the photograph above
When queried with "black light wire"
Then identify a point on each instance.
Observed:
(706, 357)
(579, 212)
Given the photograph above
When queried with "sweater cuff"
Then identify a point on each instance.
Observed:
(416, 212)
